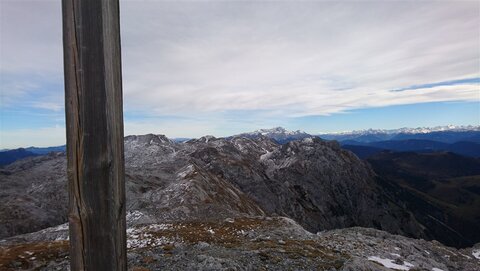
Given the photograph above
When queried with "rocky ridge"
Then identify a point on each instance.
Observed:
(278, 134)
(312, 181)
(223, 203)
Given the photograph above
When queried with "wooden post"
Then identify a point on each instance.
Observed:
(94, 120)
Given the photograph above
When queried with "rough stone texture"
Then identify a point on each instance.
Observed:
(222, 204)
(312, 181)
(254, 243)
(33, 194)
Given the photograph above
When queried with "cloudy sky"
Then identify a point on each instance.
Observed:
(224, 67)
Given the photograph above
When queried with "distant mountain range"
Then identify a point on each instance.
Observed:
(463, 140)
(405, 130)
(46, 150)
(364, 150)
(446, 134)
(10, 156)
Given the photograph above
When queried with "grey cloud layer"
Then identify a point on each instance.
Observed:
(287, 58)
(297, 58)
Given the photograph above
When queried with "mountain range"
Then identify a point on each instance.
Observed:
(406, 130)
(312, 181)
(445, 134)
(257, 192)
(10, 156)
(464, 140)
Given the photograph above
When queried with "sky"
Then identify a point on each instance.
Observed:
(192, 68)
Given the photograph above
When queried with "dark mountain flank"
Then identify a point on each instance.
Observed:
(441, 189)
(362, 151)
(10, 156)
(465, 148)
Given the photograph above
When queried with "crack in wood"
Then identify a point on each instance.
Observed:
(94, 134)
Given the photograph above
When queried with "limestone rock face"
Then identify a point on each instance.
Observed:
(33, 194)
(311, 181)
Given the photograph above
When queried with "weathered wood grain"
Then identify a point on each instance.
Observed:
(94, 119)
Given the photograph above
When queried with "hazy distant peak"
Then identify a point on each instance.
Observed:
(406, 130)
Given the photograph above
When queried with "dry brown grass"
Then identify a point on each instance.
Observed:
(228, 234)
(223, 233)
(24, 254)
(148, 259)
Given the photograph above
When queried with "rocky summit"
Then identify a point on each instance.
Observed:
(240, 203)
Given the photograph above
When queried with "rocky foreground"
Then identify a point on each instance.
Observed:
(253, 243)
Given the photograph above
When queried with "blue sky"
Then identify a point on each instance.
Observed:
(220, 68)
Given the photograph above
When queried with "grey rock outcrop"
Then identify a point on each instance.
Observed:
(33, 194)
(254, 243)
(310, 180)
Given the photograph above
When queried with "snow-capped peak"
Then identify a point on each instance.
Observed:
(405, 130)
(279, 134)
(276, 130)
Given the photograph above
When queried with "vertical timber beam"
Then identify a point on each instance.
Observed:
(94, 120)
